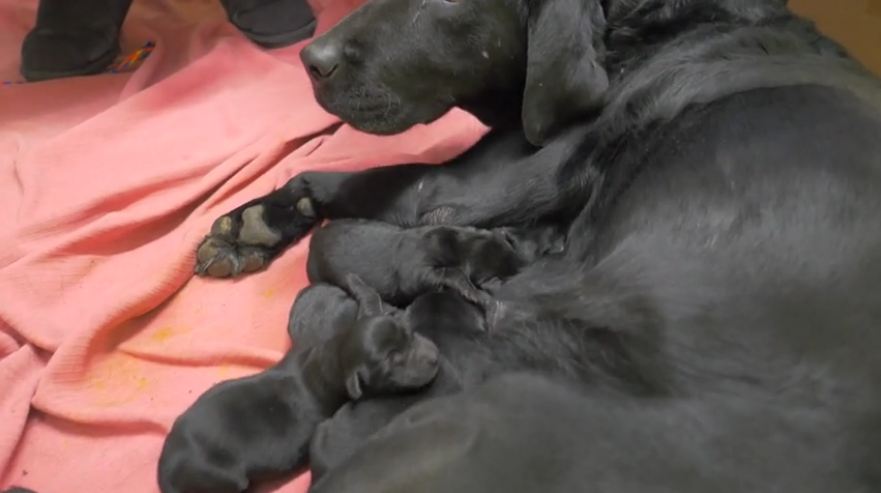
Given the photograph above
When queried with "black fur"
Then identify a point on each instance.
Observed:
(318, 312)
(470, 356)
(402, 263)
(521, 433)
(721, 200)
(457, 327)
(259, 427)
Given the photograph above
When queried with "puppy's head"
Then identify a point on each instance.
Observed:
(532, 243)
(483, 254)
(320, 312)
(395, 63)
(384, 356)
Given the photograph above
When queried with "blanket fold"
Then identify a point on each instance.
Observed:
(107, 184)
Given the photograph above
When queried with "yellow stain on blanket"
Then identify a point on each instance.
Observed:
(267, 293)
(116, 380)
(224, 371)
(166, 332)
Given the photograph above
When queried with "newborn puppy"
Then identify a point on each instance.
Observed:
(403, 263)
(318, 312)
(457, 328)
(258, 427)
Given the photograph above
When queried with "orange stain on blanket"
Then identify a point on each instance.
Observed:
(117, 380)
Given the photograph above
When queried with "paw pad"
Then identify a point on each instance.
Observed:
(306, 207)
(222, 226)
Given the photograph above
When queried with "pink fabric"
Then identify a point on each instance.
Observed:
(107, 183)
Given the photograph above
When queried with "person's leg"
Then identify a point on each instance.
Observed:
(72, 38)
(81, 37)
(272, 23)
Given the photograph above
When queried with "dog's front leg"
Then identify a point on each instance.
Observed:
(500, 181)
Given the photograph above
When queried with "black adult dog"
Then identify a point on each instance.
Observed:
(260, 426)
(721, 175)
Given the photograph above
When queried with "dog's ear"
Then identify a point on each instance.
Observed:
(369, 302)
(353, 384)
(565, 77)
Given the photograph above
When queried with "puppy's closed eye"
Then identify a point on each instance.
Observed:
(395, 356)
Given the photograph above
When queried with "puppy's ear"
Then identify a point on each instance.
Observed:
(369, 302)
(565, 77)
(353, 385)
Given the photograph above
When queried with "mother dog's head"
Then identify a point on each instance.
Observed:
(394, 63)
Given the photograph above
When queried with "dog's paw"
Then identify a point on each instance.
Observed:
(249, 237)
(216, 257)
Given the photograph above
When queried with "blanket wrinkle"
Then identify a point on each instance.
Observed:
(107, 184)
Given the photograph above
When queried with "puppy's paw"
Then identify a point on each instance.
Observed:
(439, 215)
(493, 312)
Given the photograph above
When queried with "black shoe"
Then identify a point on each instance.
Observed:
(70, 38)
(272, 23)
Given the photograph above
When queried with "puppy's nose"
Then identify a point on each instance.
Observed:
(322, 59)
(431, 359)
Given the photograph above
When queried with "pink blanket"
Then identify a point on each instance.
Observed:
(107, 183)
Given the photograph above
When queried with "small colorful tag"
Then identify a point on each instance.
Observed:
(133, 61)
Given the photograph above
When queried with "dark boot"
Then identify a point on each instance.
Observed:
(271, 23)
(72, 37)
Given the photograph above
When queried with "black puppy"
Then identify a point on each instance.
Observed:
(470, 356)
(403, 263)
(259, 426)
(458, 329)
(318, 313)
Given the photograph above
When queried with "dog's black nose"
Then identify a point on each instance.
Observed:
(322, 59)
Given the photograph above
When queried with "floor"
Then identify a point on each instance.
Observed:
(854, 23)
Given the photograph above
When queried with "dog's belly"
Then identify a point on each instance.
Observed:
(753, 229)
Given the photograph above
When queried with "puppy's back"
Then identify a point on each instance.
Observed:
(351, 246)
(240, 430)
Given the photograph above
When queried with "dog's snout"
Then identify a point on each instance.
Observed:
(322, 59)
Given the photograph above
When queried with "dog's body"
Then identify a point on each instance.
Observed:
(519, 433)
(721, 177)
(259, 427)
(400, 264)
